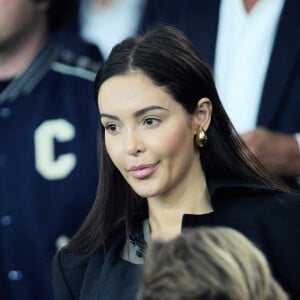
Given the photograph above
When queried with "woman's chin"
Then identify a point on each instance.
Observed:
(146, 193)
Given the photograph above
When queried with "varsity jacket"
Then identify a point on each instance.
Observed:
(48, 167)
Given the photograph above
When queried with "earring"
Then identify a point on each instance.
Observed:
(201, 137)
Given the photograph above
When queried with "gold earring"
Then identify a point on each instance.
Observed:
(201, 137)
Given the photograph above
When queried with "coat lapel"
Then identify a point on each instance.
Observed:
(109, 277)
(282, 62)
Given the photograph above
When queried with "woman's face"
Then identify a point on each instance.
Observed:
(148, 135)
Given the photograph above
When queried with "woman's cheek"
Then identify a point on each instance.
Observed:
(177, 138)
(111, 149)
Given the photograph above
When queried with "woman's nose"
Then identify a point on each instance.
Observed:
(135, 144)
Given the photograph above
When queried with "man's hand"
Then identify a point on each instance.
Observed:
(279, 152)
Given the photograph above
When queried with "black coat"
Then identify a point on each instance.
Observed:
(271, 221)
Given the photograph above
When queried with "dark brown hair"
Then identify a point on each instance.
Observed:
(208, 264)
(168, 58)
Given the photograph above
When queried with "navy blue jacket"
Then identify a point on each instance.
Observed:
(271, 221)
(48, 167)
(280, 105)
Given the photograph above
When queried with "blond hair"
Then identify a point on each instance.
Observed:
(208, 263)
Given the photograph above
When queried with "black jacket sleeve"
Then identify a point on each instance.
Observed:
(281, 224)
(61, 288)
(68, 270)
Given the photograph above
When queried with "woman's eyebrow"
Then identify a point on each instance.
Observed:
(137, 113)
(109, 116)
(147, 109)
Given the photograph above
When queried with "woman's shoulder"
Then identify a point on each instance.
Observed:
(68, 272)
(71, 268)
(240, 194)
(267, 200)
(68, 269)
(75, 259)
(77, 276)
(256, 204)
(71, 259)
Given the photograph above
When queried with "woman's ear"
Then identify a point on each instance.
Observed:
(202, 114)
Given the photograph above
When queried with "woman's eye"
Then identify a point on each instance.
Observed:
(112, 128)
(151, 121)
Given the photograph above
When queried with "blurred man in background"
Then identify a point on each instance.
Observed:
(48, 124)
(107, 22)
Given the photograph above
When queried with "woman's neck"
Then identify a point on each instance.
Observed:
(165, 213)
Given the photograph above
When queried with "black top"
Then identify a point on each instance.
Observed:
(270, 220)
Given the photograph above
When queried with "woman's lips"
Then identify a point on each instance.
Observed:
(142, 171)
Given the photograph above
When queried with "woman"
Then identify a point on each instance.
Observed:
(197, 263)
(169, 159)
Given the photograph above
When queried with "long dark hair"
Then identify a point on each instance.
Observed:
(166, 56)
